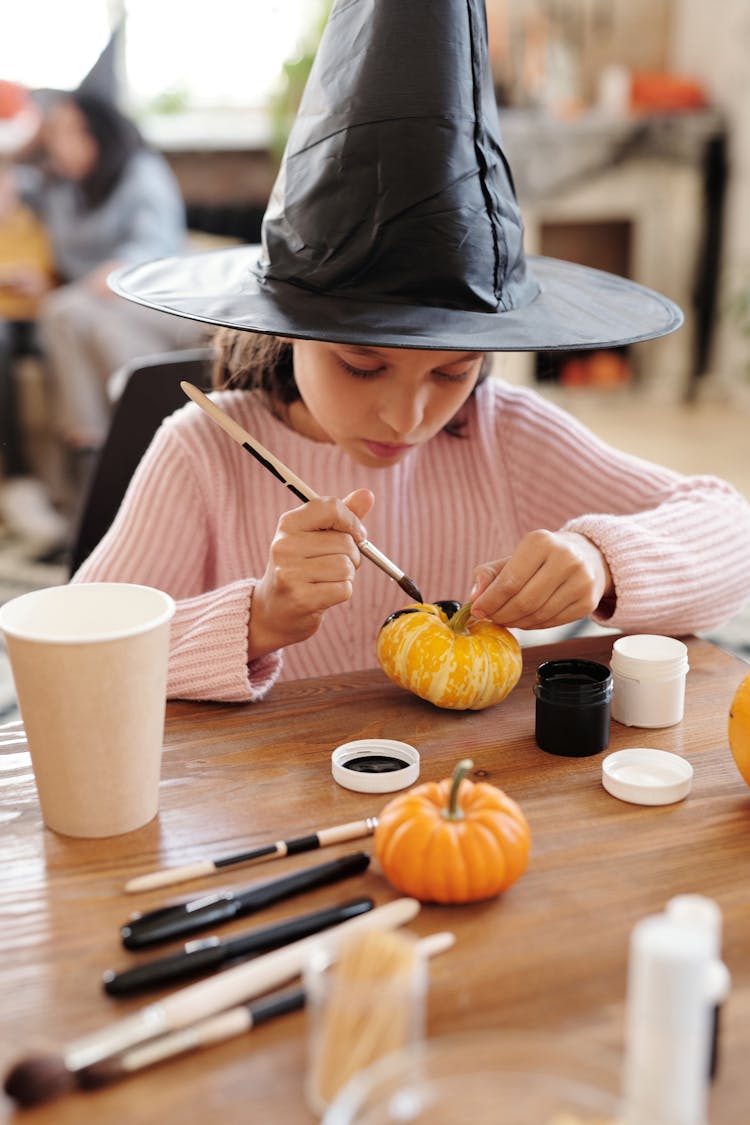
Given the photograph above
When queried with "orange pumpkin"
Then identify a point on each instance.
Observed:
(444, 655)
(453, 840)
(739, 728)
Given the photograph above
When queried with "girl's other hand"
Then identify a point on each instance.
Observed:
(311, 567)
(552, 578)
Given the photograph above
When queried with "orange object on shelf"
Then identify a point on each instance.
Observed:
(660, 91)
(13, 98)
(602, 368)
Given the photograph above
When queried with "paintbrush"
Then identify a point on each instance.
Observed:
(321, 839)
(227, 1025)
(38, 1078)
(298, 487)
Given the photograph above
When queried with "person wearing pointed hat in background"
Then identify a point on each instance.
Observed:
(355, 343)
(25, 254)
(105, 198)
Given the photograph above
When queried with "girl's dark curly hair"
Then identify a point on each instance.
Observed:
(253, 361)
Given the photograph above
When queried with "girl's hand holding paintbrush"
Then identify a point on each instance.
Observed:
(312, 564)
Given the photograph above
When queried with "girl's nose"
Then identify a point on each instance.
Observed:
(402, 411)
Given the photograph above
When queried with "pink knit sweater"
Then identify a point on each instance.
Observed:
(200, 514)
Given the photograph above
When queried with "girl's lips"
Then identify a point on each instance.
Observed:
(384, 450)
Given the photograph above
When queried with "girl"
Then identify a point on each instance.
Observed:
(356, 350)
(473, 487)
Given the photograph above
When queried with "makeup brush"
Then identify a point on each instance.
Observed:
(217, 1029)
(338, 834)
(298, 487)
(36, 1079)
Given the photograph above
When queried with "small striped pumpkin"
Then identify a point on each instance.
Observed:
(444, 655)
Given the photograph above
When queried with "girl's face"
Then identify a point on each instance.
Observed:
(71, 149)
(378, 403)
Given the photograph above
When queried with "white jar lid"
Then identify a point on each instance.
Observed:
(375, 765)
(649, 655)
(644, 776)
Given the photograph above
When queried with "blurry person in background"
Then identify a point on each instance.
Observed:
(105, 198)
(24, 253)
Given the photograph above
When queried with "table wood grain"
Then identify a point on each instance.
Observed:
(549, 955)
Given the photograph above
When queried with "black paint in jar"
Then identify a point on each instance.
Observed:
(572, 707)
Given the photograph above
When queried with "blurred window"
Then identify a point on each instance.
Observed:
(178, 55)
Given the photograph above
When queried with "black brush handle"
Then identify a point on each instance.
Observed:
(276, 1004)
(201, 957)
(169, 923)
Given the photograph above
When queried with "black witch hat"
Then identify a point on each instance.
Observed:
(393, 220)
(103, 79)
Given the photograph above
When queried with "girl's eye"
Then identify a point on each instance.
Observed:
(453, 376)
(358, 372)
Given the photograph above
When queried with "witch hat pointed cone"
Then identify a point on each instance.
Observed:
(393, 220)
(395, 158)
(103, 80)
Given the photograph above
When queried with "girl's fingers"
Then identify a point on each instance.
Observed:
(325, 514)
(572, 611)
(314, 545)
(547, 574)
(359, 502)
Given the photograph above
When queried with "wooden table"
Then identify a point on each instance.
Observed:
(549, 954)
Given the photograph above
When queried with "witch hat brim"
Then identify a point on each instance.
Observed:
(393, 220)
(576, 307)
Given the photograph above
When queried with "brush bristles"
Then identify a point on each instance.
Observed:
(37, 1080)
(103, 1073)
(409, 586)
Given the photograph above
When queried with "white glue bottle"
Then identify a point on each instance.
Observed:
(668, 1024)
(705, 914)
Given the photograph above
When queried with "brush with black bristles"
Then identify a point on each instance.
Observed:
(205, 1033)
(37, 1079)
(295, 485)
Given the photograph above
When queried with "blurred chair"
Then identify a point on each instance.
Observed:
(150, 391)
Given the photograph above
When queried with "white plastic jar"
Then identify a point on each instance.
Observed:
(648, 679)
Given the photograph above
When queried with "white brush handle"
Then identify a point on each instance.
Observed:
(242, 437)
(228, 988)
(171, 875)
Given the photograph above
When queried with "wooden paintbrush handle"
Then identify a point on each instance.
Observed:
(165, 878)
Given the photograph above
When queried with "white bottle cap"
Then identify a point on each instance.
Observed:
(701, 912)
(375, 765)
(649, 655)
(644, 776)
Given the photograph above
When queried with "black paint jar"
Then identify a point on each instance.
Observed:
(572, 707)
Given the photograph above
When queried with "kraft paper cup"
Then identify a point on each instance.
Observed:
(89, 663)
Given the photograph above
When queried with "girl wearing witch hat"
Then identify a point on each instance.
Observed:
(354, 345)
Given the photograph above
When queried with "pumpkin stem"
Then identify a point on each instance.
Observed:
(460, 618)
(454, 810)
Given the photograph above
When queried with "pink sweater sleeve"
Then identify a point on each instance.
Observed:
(678, 547)
(208, 643)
